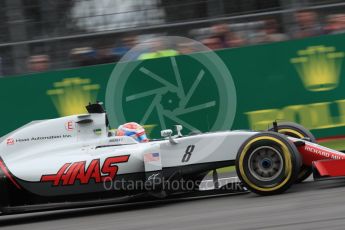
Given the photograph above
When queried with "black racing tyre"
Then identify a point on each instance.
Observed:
(268, 163)
(295, 130)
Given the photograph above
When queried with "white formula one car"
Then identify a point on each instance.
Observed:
(77, 161)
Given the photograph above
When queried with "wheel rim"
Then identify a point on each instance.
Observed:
(291, 133)
(265, 163)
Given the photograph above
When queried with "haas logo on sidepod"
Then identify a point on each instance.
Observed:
(70, 173)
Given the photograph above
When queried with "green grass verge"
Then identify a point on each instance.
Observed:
(225, 170)
(334, 144)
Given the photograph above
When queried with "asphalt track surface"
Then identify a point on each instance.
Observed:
(310, 205)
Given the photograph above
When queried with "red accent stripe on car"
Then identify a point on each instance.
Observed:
(332, 138)
(8, 175)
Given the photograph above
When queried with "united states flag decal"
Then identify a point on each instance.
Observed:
(148, 157)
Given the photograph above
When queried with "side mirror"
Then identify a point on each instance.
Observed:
(167, 134)
(178, 130)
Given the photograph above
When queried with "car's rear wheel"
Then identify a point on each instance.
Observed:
(267, 163)
(295, 130)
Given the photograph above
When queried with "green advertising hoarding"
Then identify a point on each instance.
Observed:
(249, 87)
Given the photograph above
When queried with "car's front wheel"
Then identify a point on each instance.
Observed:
(295, 130)
(268, 163)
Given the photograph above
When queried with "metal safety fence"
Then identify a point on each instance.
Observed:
(45, 35)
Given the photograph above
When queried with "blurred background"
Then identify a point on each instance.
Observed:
(38, 36)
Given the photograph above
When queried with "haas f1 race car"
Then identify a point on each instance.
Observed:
(78, 161)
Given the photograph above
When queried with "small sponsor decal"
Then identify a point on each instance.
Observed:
(149, 157)
(98, 131)
(10, 141)
(116, 140)
(20, 140)
(69, 125)
(153, 176)
(328, 154)
(50, 137)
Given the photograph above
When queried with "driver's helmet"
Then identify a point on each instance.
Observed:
(133, 130)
